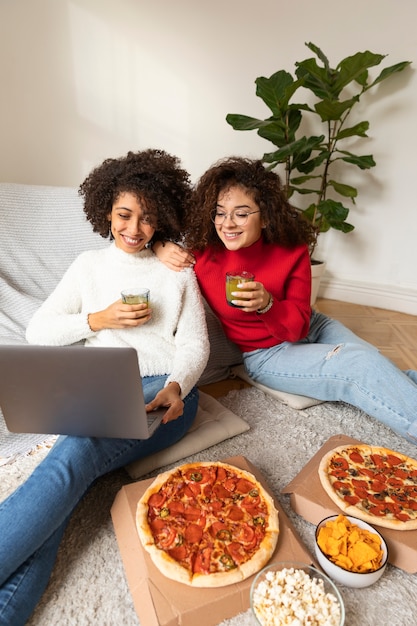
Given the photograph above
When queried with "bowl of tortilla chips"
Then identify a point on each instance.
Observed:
(350, 551)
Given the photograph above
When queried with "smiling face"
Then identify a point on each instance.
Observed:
(234, 237)
(130, 226)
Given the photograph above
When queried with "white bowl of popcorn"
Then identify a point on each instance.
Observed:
(290, 592)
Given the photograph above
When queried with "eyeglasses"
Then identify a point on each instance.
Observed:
(237, 216)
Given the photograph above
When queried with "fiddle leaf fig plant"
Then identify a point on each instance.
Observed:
(309, 160)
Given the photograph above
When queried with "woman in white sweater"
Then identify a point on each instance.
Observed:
(129, 200)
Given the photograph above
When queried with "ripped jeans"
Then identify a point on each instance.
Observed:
(333, 364)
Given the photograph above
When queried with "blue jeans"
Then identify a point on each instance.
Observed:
(333, 364)
(34, 517)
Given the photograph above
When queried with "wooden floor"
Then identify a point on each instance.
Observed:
(395, 334)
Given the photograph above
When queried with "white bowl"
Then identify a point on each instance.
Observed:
(344, 576)
(265, 580)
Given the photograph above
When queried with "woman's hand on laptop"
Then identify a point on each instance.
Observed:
(120, 315)
(169, 396)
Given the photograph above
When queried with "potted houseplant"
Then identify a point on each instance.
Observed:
(309, 160)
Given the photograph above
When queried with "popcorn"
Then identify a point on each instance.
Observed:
(290, 597)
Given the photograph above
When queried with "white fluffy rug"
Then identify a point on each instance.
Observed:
(88, 585)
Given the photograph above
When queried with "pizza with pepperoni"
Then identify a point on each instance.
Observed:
(372, 483)
(207, 524)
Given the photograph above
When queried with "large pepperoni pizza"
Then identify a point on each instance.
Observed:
(207, 524)
(372, 483)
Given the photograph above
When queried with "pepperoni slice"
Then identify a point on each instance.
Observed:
(243, 485)
(179, 553)
(192, 513)
(202, 561)
(377, 486)
(359, 483)
(339, 463)
(246, 534)
(351, 499)
(193, 533)
(168, 538)
(220, 492)
(157, 500)
(217, 527)
(356, 457)
(237, 552)
(235, 513)
(393, 460)
(339, 473)
(366, 472)
(176, 508)
(395, 482)
(362, 493)
(403, 517)
(340, 486)
(378, 460)
(230, 484)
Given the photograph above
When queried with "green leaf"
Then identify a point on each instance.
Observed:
(334, 109)
(352, 68)
(303, 191)
(312, 164)
(244, 122)
(320, 55)
(336, 214)
(359, 130)
(274, 132)
(276, 91)
(388, 71)
(364, 162)
(344, 190)
(316, 79)
(300, 180)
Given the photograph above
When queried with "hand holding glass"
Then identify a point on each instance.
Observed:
(136, 295)
(233, 279)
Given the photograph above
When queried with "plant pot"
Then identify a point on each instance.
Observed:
(317, 271)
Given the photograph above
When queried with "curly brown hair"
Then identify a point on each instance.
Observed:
(284, 225)
(153, 176)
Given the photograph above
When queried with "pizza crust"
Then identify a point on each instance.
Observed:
(350, 509)
(173, 569)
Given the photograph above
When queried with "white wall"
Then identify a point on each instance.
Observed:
(82, 80)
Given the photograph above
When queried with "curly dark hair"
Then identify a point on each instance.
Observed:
(153, 176)
(283, 223)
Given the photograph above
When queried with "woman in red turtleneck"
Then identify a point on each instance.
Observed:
(240, 220)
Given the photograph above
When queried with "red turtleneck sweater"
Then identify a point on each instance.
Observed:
(284, 272)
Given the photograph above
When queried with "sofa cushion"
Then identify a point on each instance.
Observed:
(223, 353)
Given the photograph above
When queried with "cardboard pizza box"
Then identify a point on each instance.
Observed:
(160, 601)
(309, 500)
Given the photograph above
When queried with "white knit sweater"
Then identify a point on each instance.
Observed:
(173, 342)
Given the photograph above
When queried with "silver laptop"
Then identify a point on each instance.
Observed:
(74, 390)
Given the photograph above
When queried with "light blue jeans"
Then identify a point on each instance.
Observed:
(332, 363)
(34, 517)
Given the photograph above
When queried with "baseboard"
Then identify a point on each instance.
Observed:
(388, 297)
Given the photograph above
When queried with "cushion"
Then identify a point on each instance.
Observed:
(213, 423)
(293, 400)
(223, 353)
